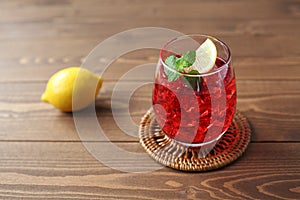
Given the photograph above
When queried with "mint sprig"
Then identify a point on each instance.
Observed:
(189, 57)
(178, 64)
(193, 82)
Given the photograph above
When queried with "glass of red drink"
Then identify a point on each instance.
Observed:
(195, 109)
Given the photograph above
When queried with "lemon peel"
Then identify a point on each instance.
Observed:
(72, 82)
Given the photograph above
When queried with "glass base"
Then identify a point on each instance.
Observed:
(203, 144)
(226, 149)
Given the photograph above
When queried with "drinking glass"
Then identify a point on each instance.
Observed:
(195, 110)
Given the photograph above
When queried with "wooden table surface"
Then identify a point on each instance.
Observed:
(41, 155)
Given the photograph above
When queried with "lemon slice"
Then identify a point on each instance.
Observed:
(206, 56)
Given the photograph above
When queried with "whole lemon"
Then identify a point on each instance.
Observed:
(72, 89)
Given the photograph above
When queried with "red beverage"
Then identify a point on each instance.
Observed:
(197, 109)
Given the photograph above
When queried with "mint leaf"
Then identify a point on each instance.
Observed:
(194, 72)
(189, 57)
(181, 64)
(193, 82)
(186, 60)
(172, 76)
(171, 61)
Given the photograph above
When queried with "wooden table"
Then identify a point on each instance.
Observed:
(41, 155)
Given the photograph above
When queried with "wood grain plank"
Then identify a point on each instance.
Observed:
(258, 9)
(36, 68)
(80, 28)
(25, 173)
(269, 106)
(61, 36)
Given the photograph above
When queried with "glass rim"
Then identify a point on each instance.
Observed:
(226, 64)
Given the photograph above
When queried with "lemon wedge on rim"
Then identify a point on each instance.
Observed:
(206, 56)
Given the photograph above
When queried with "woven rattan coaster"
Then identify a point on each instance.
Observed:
(175, 155)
